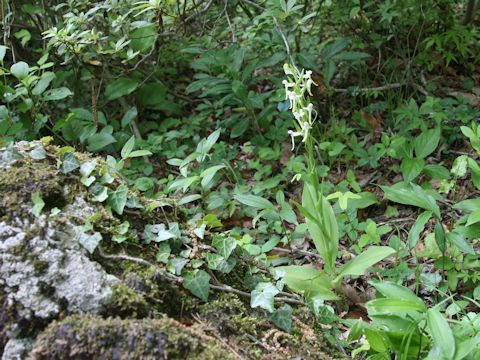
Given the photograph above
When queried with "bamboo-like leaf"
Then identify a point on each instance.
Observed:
(441, 333)
(358, 265)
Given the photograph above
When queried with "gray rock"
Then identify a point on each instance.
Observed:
(17, 349)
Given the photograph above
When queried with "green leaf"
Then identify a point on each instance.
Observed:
(57, 94)
(3, 51)
(391, 290)
(458, 239)
(199, 284)
(139, 153)
(157, 233)
(473, 218)
(118, 198)
(307, 281)
(377, 340)
(414, 233)
(389, 306)
(441, 333)
(43, 83)
(358, 265)
(87, 168)
(208, 174)
(411, 168)
(322, 224)
(90, 242)
(99, 141)
(129, 116)
(468, 206)
(38, 153)
(69, 163)
(254, 201)
(411, 194)
(224, 245)
(120, 87)
(282, 317)
(263, 296)
(427, 142)
(20, 70)
(189, 198)
(440, 237)
(99, 193)
(38, 204)
(127, 148)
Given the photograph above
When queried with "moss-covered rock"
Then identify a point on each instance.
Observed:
(90, 337)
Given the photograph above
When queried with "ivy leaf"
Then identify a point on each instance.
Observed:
(70, 163)
(99, 192)
(90, 242)
(282, 317)
(263, 296)
(38, 153)
(157, 233)
(87, 168)
(198, 284)
(224, 246)
(38, 204)
(118, 198)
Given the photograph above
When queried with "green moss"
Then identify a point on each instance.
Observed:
(127, 302)
(20, 181)
(90, 337)
(249, 329)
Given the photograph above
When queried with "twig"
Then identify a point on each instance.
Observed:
(234, 37)
(285, 41)
(377, 88)
(204, 10)
(179, 280)
(297, 251)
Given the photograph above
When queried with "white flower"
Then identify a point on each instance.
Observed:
(287, 70)
(299, 115)
(293, 97)
(294, 134)
(308, 81)
(287, 85)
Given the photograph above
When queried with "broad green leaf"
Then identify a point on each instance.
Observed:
(43, 83)
(441, 333)
(322, 224)
(189, 198)
(38, 204)
(427, 142)
(411, 168)
(466, 347)
(468, 206)
(440, 237)
(456, 238)
(99, 141)
(358, 265)
(263, 296)
(377, 340)
(254, 201)
(127, 148)
(282, 317)
(117, 199)
(20, 70)
(183, 183)
(224, 245)
(208, 174)
(139, 153)
(69, 163)
(57, 94)
(129, 116)
(90, 242)
(391, 290)
(473, 218)
(198, 284)
(389, 306)
(307, 281)
(411, 194)
(414, 233)
(120, 87)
